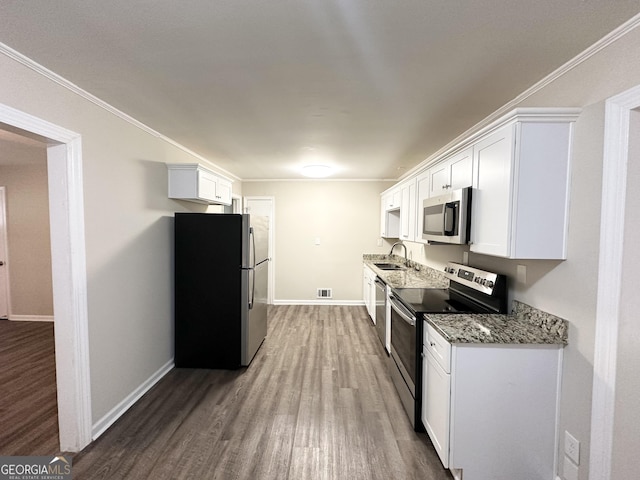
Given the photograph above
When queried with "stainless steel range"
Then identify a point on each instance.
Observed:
(471, 290)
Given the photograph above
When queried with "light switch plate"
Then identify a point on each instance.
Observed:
(569, 470)
(572, 447)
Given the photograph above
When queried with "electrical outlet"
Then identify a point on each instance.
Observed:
(465, 258)
(379, 242)
(521, 273)
(569, 470)
(572, 447)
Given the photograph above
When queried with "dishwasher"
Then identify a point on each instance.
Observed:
(381, 310)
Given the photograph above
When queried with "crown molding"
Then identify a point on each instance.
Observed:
(72, 87)
(582, 57)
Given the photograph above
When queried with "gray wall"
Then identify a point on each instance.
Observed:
(343, 215)
(128, 220)
(28, 238)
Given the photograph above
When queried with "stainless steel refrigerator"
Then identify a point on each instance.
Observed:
(221, 278)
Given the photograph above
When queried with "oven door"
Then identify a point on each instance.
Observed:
(403, 341)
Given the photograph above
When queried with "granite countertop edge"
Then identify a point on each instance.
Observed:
(526, 325)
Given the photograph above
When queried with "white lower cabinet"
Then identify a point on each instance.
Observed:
(369, 291)
(491, 409)
(436, 402)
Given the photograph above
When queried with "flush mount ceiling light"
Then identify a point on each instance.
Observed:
(316, 171)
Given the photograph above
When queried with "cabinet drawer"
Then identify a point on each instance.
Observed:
(437, 346)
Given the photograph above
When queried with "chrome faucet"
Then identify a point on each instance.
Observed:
(405, 250)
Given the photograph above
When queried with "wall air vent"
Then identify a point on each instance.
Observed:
(325, 293)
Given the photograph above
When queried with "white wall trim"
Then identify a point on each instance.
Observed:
(63, 82)
(614, 186)
(31, 318)
(66, 213)
(116, 412)
(320, 302)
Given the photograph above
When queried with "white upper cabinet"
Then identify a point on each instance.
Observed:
(408, 210)
(423, 182)
(520, 197)
(195, 183)
(453, 173)
(392, 199)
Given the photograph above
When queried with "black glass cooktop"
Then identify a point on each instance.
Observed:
(431, 300)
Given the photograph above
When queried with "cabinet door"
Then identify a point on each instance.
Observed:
(207, 184)
(422, 192)
(408, 212)
(452, 174)
(491, 203)
(223, 192)
(436, 404)
(461, 169)
(439, 179)
(383, 217)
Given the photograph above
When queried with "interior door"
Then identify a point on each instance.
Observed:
(4, 274)
(265, 207)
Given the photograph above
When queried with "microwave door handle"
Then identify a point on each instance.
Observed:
(449, 219)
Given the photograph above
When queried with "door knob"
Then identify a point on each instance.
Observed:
(1, 263)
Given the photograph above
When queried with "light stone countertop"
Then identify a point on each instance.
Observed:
(425, 277)
(525, 325)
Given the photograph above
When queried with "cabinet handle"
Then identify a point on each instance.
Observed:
(432, 344)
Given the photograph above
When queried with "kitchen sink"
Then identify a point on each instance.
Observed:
(388, 266)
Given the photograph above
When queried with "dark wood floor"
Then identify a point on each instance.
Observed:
(316, 403)
(28, 405)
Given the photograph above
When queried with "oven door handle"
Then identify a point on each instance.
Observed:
(400, 310)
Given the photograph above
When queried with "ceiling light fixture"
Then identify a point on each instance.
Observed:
(316, 171)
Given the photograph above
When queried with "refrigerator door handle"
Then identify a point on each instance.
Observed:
(253, 287)
(253, 266)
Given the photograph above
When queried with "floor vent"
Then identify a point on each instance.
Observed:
(325, 293)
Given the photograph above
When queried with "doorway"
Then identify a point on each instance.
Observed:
(616, 336)
(265, 207)
(64, 166)
(4, 274)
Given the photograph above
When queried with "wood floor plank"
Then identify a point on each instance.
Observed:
(316, 403)
(28, 395)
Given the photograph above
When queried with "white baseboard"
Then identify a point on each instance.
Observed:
(116, 412)
(319, 302)
(31, 318)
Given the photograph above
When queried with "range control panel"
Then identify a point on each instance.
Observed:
(475, 278)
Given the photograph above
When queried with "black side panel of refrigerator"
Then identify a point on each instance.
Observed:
(208, 258)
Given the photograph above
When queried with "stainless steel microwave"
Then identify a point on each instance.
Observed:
(446, 218)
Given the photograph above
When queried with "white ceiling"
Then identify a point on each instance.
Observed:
(374, 86)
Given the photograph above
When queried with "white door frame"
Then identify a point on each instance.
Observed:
(69, 272)
(612, 225)
(272, 241)
(5, 249)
